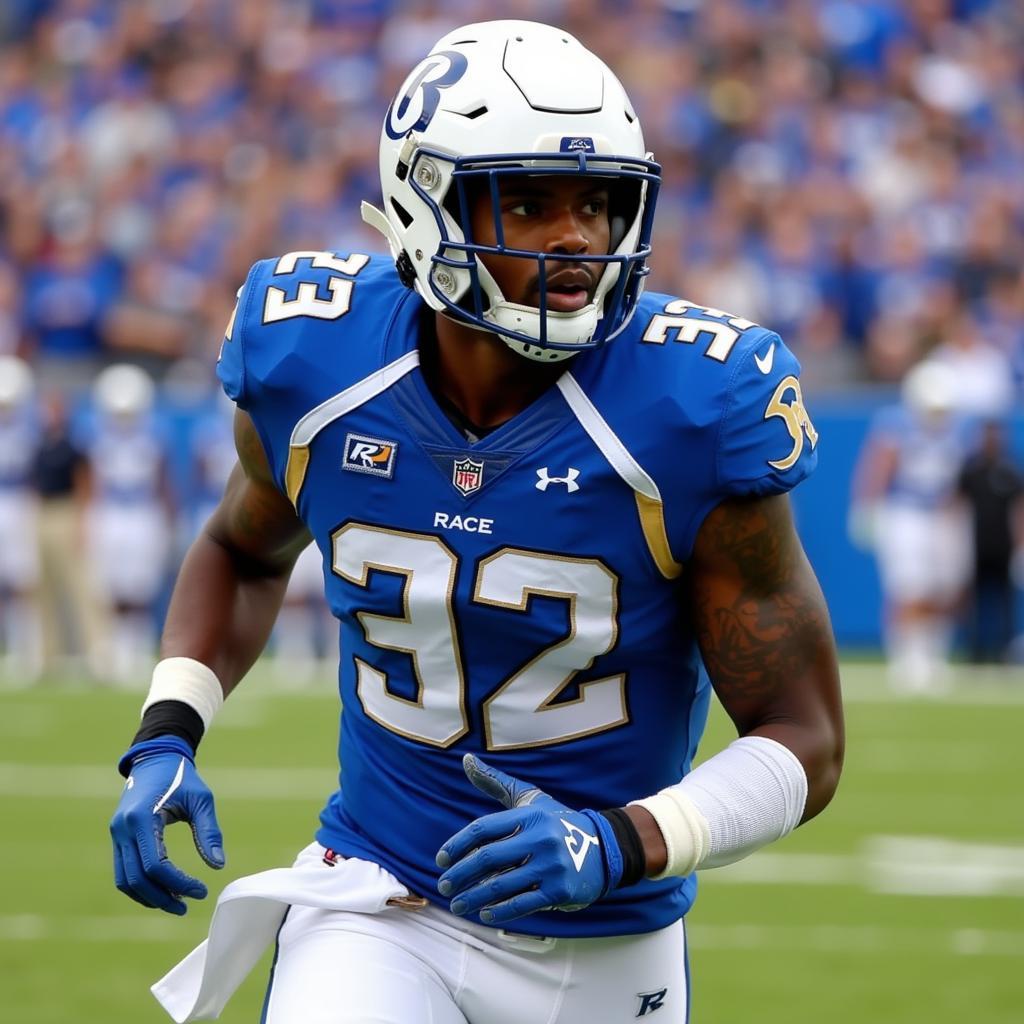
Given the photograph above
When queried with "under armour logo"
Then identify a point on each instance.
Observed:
(578, 843)
(651, 1001)
(569, 479)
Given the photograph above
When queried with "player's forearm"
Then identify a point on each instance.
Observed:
(731, 790)
(222, 610)
(818, 745)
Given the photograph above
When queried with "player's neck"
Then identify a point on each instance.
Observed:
(480, 374)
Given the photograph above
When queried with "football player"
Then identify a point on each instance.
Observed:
(20, 627)
(550, 509)
(129, 513)
(906, 510)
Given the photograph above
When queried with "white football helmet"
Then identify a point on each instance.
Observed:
(124, 390)
(512, 98)
(17, 382)
(929, 388)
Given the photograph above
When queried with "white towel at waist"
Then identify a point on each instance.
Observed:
(248, 914)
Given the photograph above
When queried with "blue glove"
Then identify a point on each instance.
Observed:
(537, 855)
(163, 787)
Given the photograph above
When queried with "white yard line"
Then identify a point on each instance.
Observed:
(863, 683)
(95, 782)
(878, 940)
(973, 685)
(854, 939)
(897, 865)
(122, 928)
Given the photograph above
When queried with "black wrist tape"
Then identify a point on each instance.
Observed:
(634, 861)
(171, 718)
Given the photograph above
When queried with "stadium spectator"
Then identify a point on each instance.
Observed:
(852, 154)
(992, 484)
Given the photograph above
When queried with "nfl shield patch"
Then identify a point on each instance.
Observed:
(467, 475)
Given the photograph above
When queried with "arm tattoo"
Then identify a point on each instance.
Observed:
(760, 618)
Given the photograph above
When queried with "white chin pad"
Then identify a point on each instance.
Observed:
(575, 328)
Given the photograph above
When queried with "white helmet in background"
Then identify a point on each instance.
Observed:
(124, 390)
(929, 388)
(505, 98)
(17, 382)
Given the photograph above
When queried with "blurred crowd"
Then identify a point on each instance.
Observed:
(848, 172)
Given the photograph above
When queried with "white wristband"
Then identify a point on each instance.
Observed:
(188, 681)
(743, 798)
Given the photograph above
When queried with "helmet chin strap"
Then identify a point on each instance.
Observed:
(378, 220)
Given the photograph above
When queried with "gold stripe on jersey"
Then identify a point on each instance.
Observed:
(295, 471)
(652, 521)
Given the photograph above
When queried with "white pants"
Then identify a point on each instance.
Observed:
(923, 553)
(380, 963)
(19, 545)
(129, 545)
(412, 966)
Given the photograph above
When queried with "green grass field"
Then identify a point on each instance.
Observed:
(902, 904)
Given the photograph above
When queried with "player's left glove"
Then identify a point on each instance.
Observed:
(537, 855)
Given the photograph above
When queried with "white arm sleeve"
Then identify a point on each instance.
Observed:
(743, 798)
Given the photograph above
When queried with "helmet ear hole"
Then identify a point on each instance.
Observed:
(618, 226)
(401, 212)
(623, 205)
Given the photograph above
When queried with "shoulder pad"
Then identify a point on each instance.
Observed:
(306, 326)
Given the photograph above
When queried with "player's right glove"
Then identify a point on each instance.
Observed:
(537, 854)
(162, 786)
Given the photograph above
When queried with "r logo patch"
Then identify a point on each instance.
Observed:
(371, 455)
(650, 1001)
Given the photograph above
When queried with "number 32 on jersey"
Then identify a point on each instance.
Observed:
(521, 712)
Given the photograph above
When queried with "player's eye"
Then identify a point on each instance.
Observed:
(525, 208)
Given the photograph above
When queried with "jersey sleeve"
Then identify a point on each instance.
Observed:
(767, 442)
(231, 360)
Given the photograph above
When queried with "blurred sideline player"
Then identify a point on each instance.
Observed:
(75, 641)
(906, 510)
(128, 520)
(535, 543)
(304, 640)
(20, 638)
(212, 444)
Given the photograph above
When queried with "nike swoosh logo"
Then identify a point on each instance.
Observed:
(178, 776)
(764, 363)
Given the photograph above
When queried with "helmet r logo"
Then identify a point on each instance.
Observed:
(419, 97)
(651, 1001)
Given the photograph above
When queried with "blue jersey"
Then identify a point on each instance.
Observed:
(929, 455)
(213, 456)
(20, 435)
(519, 597)
(127, 461)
